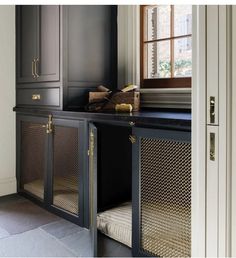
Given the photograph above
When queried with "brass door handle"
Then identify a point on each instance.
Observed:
(33, 68)
(49, 127)
(212, 110)
(212, 147)
(36, 67)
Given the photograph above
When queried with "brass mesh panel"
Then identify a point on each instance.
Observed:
(65, 165)
(32, 158)
(165, 198)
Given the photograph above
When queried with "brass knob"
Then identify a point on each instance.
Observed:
(36, 97)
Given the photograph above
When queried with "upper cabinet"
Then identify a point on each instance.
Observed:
(90, 45)
(70, 48)
(38, 43)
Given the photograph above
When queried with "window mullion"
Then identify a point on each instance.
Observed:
(172, 40)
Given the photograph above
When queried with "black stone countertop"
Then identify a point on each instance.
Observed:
(159, 118)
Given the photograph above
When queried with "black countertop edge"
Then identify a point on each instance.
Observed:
(163, 119)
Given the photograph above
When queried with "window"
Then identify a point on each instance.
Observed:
(166, 46)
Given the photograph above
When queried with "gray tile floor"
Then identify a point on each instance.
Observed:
(26, 230)
(30, 231)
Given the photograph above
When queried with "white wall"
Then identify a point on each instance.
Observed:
(7, 100)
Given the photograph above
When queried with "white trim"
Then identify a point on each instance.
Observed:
(166, 98)
(224, 126)
(7, 186)
(212, 183)
(212, 44)
(128, 44)
(129, 62)
(233, 155)
(198, 132)
(172, 91)
(228, 128)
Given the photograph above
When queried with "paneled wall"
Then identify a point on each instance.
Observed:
(7, 100)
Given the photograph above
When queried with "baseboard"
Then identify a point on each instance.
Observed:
(7, 186)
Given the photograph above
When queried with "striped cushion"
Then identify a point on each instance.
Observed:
(116, 223)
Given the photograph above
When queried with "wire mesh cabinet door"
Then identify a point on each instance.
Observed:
(161, 193)
(31, 155)
(66, 179)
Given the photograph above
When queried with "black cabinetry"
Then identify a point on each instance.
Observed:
(38, 43)
(90, 44)
(71, 49)
(50, 163)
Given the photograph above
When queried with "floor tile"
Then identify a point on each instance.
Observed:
(8, 200)
(79, 243)
(23, 216)
(61, 229)
(34, 243)
(3, 233)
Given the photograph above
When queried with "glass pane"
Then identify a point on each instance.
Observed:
(183, 57)
(158, 22)
(158, 59)
(182, 20)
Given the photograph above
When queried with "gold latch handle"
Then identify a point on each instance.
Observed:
(212, 147)
(49, 125)
(212, 110)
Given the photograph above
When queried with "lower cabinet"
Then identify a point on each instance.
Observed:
(50, 163)
(161, 193)
(150, 209)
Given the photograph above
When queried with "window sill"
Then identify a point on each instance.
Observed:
(166, 98)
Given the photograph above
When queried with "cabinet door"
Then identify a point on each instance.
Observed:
(161, 193)
(90, 45)
(27, 41)
(38, 43)
(31, 157)
(49, 42)
(66, 179)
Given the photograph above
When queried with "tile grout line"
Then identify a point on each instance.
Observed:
(58, 240)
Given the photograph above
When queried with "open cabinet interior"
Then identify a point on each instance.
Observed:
(114, 189)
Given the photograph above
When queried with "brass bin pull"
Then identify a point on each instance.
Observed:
(36, 97)
(36, 67)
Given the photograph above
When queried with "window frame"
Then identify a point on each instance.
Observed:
(157, 83)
